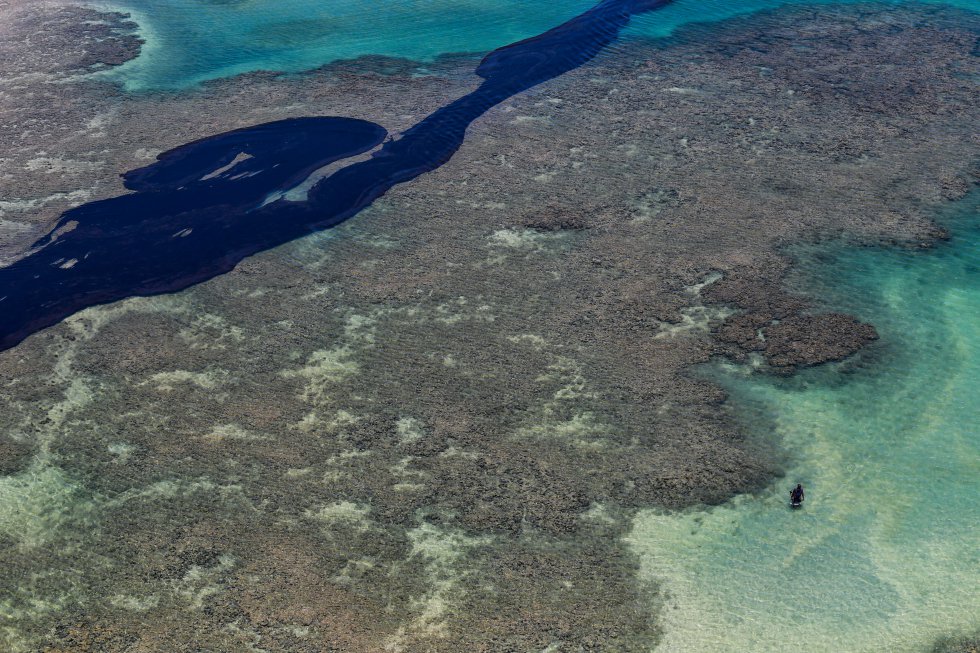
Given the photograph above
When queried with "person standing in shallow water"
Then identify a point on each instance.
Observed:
(796, 495)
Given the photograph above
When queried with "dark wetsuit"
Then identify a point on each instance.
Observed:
(796, 495)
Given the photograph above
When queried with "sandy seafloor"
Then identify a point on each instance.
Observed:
(432, 428)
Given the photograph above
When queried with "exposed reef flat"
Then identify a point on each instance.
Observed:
(68, 136)
(428, 429)
(203, 207)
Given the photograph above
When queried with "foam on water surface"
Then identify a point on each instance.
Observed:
(884, 555)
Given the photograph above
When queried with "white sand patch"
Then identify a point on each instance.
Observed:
(134, 603)
(581, 429)
(650, 205)
(408, 487)
(49, 165)
(201, 583)
(441, 550)
(87, 323)
(313, 421)
(146, 154)
(460, 310)
(327, 367)
(409, 430)
(520, 120)
(453, 450)
(695, 320)
(401, 468)
(524, 239)
(568, 372)
(339, 463)
(629, 149)
(535, 341)
(121, 450)
(167, 489)
(210, 331)
(695, 289)
(557, 418)
(300, 192)
(22, 206)
(598, 513)
(169, 381)
(96, 126)
(77, 394)
(223, 432)
(38, 504)
(352, 570)
(324, 368)
(360, 328)
(346, 514)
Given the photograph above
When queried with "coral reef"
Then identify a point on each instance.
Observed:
(428, 429)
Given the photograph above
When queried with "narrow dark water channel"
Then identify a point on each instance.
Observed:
(186, 224)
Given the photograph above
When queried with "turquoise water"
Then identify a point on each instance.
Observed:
(190, 41)
(184, 47)
(885, 555)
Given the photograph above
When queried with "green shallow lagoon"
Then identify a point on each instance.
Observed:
(192, 41)
(184, 47)
(256, 508)
(885, 555)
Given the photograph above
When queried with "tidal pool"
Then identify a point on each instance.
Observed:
(885, 554)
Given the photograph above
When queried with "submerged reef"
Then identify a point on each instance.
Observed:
(204, 206)
(62, 40)
(958, 645)
(430, 428)
(777, 326)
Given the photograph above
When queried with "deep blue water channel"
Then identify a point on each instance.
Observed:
(185, 224)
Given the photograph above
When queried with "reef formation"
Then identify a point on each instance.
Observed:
(429, 428)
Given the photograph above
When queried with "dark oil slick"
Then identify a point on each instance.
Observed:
(186, 224)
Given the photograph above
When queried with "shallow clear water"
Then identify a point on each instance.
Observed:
(884, 555)
(190, 41)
